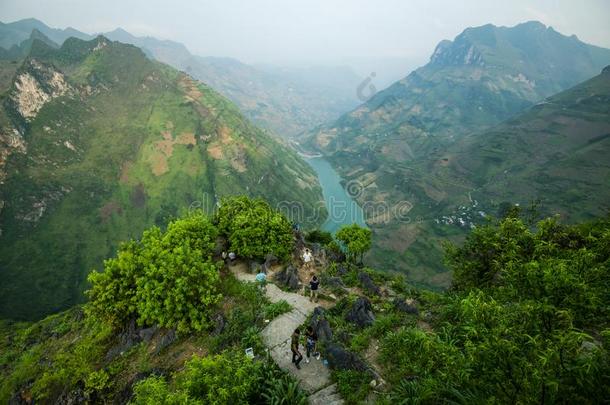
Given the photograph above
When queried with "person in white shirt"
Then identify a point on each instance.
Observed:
(308, 259)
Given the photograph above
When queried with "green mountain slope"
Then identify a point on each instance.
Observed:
(389, 148)
(556, 152)
(287, 101)
(484, 76)
(97, 143)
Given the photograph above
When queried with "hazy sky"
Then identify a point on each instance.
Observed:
(313, 31)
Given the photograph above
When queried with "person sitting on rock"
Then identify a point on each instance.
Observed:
(294, 348)
(314, 283)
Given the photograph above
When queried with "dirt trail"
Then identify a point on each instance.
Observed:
(313, 377)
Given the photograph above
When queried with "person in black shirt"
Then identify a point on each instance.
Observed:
(314, 283)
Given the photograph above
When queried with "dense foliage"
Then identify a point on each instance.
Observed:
(356, 239)
(228, 378)
(253, 228)
(527, 320)
(165, 279)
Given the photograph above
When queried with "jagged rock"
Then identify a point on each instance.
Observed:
(334, 256)
(147, 334)
(76, 396)
(342, 270)
(334, 282)
(270, 260)
(299, 243)
(288, 277)
(368, 284)
(167, 339)
(126, 340)
(407, 306)
(361, 313)
(320, 325)
(254, 267)
(342, 359)
(220, 324)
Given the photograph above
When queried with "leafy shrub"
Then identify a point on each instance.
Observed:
(167, 279)
(356, 239)
(155, 390)
(284, 391)
(352, 385)
(319, 236)
(253, 228)
(276, 309)
(229, 378)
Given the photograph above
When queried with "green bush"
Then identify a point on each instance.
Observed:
(356, 239)
(352, 385)
(276, 309)
(319, 236)
(166, 279)
(253, 228)
(229, 378)
(284, 391)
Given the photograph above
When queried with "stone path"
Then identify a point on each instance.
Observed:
(313, 377)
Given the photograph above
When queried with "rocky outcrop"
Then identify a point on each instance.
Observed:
(368, 284)
(361, 313)
(35, 85)
(408, 306)
(320, 325)
(341, 359)
(289, 277)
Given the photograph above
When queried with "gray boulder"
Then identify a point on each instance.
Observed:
(368, 284)
(342, 359)
(361, 313)
(254, 267)
(147, 334)
(406, 306)
(320, 325)
(270, 260)
(288, 277)
(168, 338)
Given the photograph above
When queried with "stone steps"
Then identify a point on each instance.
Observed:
(326, 396)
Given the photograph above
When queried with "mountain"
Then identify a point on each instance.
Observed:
(385, 148)
(287, 101)
(16, 32)
(556, 153)
(98, 142)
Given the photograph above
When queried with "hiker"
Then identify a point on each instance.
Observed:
(294, 348)
(307, 259)
(232, 257)
(311, 343)
(224, 256)
(261, 280)
(314, 283)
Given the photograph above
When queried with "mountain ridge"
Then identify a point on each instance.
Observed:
(99, 142)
